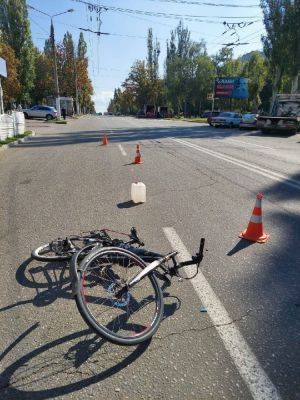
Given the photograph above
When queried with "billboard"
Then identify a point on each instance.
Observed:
(3, 68)
(231, 88)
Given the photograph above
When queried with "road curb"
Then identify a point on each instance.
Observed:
(16, 142)
(186, 120)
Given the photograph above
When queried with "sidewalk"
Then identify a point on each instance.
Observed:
(42, 127)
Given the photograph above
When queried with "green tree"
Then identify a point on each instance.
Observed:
(203, 82)
(256, 71)
(181, 70)
(293, 18)
(11, 84)
(138, 83)
(154, 83)
(44, 80)
(66, 66)
(84, 84)
(222, 59)
(81, 47)
(15, 29)
(275, 42)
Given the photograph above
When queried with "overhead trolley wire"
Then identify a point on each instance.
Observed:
(188, 17)
(203, 3)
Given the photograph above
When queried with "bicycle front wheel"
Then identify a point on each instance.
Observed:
(128, 320)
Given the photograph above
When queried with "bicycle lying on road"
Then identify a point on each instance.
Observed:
(62, 249)
(115, 285)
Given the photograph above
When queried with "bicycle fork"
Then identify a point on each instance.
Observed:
(146, 271)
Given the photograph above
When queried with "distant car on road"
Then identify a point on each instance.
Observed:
(228, 119)
(249, 121)
(40, 112)
(209, 115)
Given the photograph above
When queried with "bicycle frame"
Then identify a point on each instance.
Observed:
(156, 260)
(157, 263)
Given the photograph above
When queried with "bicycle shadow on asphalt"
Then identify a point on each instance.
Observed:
(57, 285)
(50, 280)
(49, 290)
(75, 358)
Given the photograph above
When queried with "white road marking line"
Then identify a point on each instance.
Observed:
(122, 150)
(284, 179)
(246, 143)
(245, 361)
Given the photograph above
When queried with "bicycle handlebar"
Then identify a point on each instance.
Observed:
(134, 237)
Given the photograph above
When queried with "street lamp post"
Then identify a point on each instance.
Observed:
(52, 38)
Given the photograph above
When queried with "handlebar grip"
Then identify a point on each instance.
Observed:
(134, 236)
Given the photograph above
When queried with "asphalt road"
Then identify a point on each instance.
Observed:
(201, 181)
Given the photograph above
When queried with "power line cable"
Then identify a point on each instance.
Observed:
(202, 3)
(116, 34)
(98, 33)
(39, 26)
(252, 34)
(188, 17)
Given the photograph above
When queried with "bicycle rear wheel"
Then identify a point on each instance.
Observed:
(57, 250)
(129, 320)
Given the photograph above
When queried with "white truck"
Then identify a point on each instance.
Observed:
(285, 116)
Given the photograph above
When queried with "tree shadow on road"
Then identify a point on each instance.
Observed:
(133, 135)
(275, 327)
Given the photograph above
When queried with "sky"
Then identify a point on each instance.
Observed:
(111, 56)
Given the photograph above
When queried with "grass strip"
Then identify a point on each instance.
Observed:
(14, 138)
(56, 121)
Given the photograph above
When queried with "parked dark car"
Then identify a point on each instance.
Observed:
(210, 115)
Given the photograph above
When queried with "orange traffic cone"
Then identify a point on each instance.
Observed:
(138, 157)
(255, 231)
(104, 140)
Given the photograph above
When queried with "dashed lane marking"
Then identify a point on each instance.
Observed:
(122, 150)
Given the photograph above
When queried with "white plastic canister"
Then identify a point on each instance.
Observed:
(138, 192)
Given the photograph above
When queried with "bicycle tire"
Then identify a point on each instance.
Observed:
(84, 304)
(42, 253)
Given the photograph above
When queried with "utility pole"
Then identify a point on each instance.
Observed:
(3, 73)
(76, 84)
(52, 38)
(1, 99)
